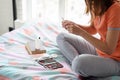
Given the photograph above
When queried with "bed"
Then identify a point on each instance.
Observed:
(17, 64)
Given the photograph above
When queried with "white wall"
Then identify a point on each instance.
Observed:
(6, 15)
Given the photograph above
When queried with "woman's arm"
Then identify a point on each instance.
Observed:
(112, 39)
(108, 46)
(90, 29)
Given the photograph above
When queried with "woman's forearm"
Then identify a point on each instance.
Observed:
(90, 29)
(96, 42)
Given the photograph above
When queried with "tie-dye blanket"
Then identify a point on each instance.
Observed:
(16, 64)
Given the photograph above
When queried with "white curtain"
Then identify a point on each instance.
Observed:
(69, 9)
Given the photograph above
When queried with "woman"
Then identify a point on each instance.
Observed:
(88, 55)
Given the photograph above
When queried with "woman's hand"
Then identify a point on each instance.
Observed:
(72, 27)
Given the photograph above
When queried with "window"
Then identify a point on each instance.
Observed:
(52, 9)
(45, 8)
(75, 11)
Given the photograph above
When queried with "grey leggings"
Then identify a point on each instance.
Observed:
(83, 57)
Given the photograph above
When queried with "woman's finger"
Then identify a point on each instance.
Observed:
(69, 28)
(66, 23)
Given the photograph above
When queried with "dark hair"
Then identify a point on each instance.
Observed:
(97, 7)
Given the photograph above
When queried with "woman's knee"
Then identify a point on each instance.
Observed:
(60, 36)
(81, 63)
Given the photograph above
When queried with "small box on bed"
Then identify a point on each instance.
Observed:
(31, 49)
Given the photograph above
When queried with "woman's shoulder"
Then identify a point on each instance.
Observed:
(114, 8)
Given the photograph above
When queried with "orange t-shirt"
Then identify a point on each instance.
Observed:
(110, 20)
